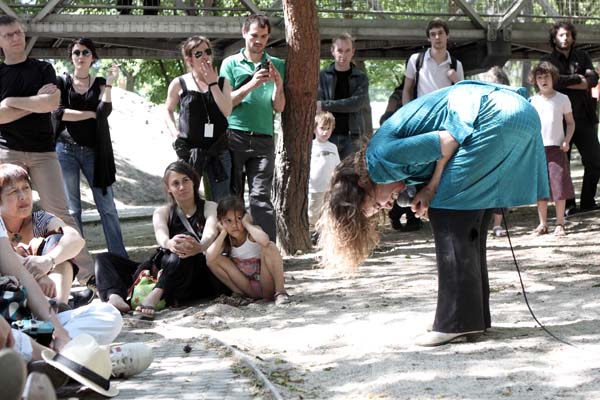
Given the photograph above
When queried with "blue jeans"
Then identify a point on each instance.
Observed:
(74, 158)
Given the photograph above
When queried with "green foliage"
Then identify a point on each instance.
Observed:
(384, 77)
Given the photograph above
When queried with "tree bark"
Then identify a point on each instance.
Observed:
(293, 147)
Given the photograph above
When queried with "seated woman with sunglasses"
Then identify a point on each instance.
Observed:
(204, 102)
(84, 139)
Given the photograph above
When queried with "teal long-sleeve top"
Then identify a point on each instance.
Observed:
(500, 161)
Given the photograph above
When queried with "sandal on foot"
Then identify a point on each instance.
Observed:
(560, 230)
(281, 298)
(541, 230)
(141, 312)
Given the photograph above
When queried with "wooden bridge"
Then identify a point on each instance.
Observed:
(483, 33)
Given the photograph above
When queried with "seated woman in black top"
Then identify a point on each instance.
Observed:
(84, 143)
(204, 102)
(185, 275)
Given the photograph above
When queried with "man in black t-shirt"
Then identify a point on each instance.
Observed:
(344, 91)
(28, 94)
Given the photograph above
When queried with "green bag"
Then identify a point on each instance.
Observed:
(142, 287)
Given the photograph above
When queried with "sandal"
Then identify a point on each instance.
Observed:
(560, 230)
(281, 298)
(142, 312)
(541, 230)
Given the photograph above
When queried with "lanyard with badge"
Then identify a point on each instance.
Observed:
(209, 127)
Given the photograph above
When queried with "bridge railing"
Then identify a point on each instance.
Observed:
(580, 11)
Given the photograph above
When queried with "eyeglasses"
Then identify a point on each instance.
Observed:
(84, 53)
(200, 53)
(10, 35)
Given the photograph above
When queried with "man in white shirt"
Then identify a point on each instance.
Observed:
(436, 70)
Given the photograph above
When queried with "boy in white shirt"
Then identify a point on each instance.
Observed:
(323, 160)
(552, 107)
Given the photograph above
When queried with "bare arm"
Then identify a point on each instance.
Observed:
(47, 100)
(76, 115)
(255, 231)
(420, 203)
(570, 123)
(170, 106)
(10, 265)
(260, 77)
(10, 114)
(216, 248)
(210, 231)
(278, 98)
(68, 247)
(161, 229)
(407, 92)
(111, 77)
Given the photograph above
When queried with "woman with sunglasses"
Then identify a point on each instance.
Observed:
(204, 102)
(83, 142)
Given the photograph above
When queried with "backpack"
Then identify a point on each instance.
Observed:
(419, 64)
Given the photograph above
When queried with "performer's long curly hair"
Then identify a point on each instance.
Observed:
(346, 235)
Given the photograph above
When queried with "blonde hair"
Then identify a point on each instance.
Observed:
(325, 118)
(346, 236)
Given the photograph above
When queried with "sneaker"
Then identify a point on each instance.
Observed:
(130, 359)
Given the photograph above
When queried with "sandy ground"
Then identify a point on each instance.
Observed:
(353, 337)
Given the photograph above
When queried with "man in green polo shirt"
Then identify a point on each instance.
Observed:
(257, 82)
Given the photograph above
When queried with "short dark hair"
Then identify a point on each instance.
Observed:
(544, 68)
(437, 23)
(565, 25)
(181, 167)
(82, 41)
(230, 203)
(12, 173)
(8, 20)
(261, 20)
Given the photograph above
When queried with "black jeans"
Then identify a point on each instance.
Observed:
(586, 140)
(253, 158)
(463, 285)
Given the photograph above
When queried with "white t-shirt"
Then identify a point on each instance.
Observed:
(551, 111)
(323, 159)
(432, 76)
(3, 232)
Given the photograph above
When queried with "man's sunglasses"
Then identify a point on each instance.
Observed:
(200, 53)
(84, 53)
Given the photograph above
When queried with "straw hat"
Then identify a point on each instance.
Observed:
(86, 362)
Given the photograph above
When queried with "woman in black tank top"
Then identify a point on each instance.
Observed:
(184, 228)
(204, 102)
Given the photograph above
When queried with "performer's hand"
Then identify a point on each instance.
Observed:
(47, 285)
(48, 88)
(420, 203)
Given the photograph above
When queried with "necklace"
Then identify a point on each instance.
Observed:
(85, 77)
(16, 236)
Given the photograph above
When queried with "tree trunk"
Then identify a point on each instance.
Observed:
(293, 147)
(129, 78)
(164, 73)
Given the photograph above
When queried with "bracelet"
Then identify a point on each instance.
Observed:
(213, 84)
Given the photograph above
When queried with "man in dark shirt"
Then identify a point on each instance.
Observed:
(344, 91)
(577, 77)
(28, 94)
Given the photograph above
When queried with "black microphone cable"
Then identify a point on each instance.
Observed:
(505, 221)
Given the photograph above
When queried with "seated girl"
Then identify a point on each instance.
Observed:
(44, 242)
(184, 228)
(252, 265)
